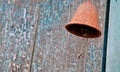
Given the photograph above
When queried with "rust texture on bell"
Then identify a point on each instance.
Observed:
(85, 22)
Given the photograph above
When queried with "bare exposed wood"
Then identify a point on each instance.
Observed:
(56, 50)
(59, 51)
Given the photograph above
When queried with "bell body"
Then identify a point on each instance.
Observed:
(85, 22)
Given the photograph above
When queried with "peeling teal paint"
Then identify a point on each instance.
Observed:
(56, 49)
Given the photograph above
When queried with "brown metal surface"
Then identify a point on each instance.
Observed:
(85, 22)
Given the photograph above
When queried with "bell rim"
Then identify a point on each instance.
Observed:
(99, 33)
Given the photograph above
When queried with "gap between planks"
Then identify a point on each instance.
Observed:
(34, 36)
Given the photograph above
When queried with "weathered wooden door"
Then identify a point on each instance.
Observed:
(55, 50)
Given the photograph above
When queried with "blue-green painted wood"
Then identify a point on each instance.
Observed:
(17, 19)
(113, 49)
(56, 50)
(59, 51)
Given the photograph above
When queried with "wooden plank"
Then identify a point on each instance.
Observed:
(113, 47)
(17, 19)
(59, 51)
(56, 50)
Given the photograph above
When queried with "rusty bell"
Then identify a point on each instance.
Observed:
(84, 23)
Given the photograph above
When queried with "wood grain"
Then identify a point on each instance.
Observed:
(59, 51)
(56, 50)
